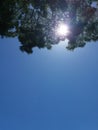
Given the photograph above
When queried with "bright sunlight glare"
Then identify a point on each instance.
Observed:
(62, 29)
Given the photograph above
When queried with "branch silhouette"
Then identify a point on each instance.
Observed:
(34, 22)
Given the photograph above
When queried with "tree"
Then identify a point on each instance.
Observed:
(34, 22)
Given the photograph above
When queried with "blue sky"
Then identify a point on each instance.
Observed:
(48, 90)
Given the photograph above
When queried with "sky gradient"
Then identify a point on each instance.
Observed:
(50, 89)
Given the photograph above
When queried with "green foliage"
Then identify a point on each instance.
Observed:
(34, 22)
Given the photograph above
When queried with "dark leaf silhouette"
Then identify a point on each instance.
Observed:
(35, 22)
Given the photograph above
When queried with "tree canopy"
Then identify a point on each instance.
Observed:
(34, 22)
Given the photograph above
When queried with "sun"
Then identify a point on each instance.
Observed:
(62, 29)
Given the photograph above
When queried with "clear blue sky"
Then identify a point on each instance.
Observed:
(48, 90)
